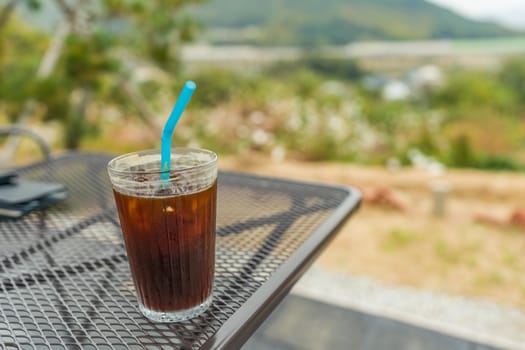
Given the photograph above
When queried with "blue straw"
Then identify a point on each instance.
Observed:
(172, 121)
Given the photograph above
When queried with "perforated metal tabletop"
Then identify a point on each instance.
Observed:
(65, 281)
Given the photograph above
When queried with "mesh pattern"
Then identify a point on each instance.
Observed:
(64, 277)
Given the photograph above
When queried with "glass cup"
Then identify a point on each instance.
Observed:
(169, 229)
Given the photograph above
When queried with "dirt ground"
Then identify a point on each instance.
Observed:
(475, 249)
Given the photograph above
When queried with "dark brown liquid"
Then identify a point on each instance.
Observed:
(171, 247)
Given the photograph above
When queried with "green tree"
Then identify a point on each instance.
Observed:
(90, 59)
(466, 90)
(7, 10)
(513, 76)
(461, 152)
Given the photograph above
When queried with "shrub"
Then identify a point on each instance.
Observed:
(499, 163)
(461, 153)
(216, 86)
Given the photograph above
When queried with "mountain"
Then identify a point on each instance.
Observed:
(321, 22)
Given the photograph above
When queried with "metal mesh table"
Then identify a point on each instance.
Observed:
(65, 281)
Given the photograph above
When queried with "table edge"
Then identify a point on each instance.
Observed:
(257, 308)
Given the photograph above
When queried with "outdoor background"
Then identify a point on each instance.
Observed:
(408, 101)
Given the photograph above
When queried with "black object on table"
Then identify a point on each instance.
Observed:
(19, 197)
(65, 281)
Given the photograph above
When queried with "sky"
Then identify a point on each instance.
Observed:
(508, 12)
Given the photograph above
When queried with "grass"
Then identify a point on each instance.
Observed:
(510, 260)
(489, 280)
(398, 239)
(465, 252)
(446, 253)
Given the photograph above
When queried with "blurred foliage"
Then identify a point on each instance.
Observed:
(216, 86)
(316, 63)
(87, 58)
(104, 45)
(387, 116)
(461, 152)
(470, 89)
(499, 162)
(17, 68)
(512, 76)
(220, 86)
(113, 77)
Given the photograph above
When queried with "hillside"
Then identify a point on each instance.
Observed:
(314, 22)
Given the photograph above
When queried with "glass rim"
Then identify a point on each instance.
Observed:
(111, 164)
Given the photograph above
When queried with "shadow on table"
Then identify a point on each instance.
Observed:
(302, 323)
